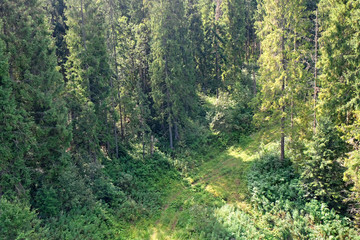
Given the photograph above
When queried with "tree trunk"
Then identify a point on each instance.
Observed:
(315, 69)
(82, 25)
(114, 44)
(218, 14)
(169, 108)
(254, 80)
(282, 147)
(116, 141)
(143, 145)
(176, 131)
(152, 145)
(170, 133)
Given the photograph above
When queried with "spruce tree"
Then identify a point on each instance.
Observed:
(40, 124)
(280, 26)
(234, 49)
(14, 174)
(339, 80)
(172, 68)
(88, 74)
(213, 57)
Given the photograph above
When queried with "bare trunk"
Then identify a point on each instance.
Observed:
(114, 44)
(254, 80)
(122, 132)
(292, 114)
(116, 141)
(143, 145)
(315, 68)
(82, 25)
(170, 133)
(218, 14)
(152, 145)
(169, 108)
(282, 147)
(282, 151)
(176, 131)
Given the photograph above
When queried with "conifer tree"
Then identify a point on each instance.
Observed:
(42, 133)
(213, 57)
(281, 69)
(88, 75)
(172, 68)
(13, 170)
(339, 80)
(56, 9)
(234, 49)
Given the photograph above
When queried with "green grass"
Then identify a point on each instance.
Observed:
(196, 205)
(210, 198)
(218, 182)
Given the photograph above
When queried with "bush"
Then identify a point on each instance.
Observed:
(84, 223)
(322, 170)
(272, 181)
(17, 221)
(231, 117)
(277, 192)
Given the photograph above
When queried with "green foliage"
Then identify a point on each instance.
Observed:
(17, 221)
(274, 182)
(231, 116)
(75, 131)
(88, 74)
(282, 28)
(278, 194)
(339, 93)
(14, 172)
(85, 223)
(172, 69)
(38, 134)
(322, 170)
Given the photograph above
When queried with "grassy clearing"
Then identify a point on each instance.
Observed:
(208, 191)
(199, 204)
(209, 199)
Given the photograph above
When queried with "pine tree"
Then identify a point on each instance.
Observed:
(213, 57)
(56, 9)
(280, 26)
(234, 14)
(172, 68)
(88, 74)
(40, 119)
(339, 80)
(13, 171)
(322, 169)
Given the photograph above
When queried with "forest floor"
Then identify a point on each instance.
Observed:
(219, 181)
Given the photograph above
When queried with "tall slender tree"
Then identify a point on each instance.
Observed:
(281, 68)
(88, 74)
(339, 80)
(40, 125)
(172, 66)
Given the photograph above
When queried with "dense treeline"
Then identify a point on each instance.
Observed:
(92, 91)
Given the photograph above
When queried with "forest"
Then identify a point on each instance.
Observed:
(179, 119)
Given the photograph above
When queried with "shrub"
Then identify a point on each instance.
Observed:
(17, 221)
(322, 170)
(278, 194)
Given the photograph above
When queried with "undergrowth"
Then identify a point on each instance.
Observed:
(278, 196)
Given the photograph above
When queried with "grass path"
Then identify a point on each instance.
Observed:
(219, 181)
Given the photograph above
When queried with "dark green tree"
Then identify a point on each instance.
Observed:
(88, 74)
(14, 173)
(322, 170)
(172, 68)
(339, 80)
(40, 130)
